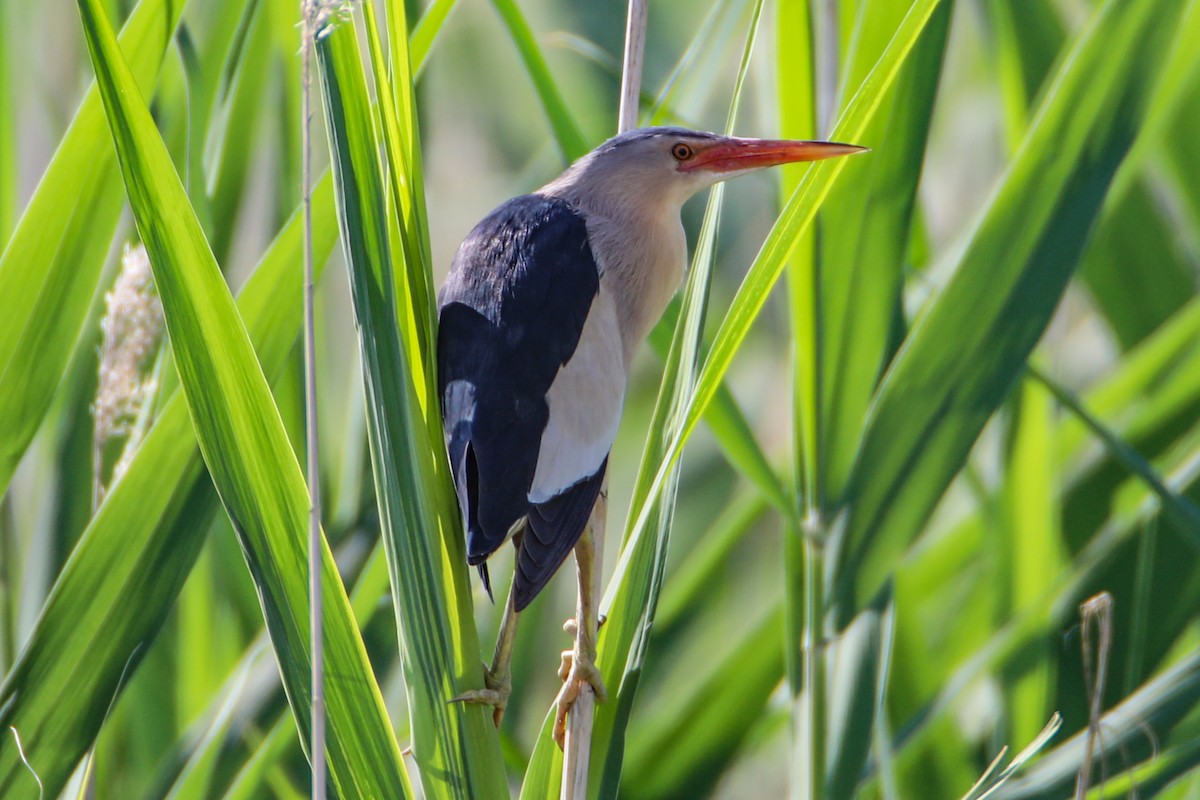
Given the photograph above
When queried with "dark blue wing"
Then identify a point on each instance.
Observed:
(512, 309)
(547, 540)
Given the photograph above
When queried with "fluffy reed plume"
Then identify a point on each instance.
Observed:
(132, 327)
(324, 15)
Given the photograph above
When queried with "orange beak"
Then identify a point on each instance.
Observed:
(735, 155)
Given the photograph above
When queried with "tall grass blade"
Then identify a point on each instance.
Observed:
(455, 745)
(231, 406)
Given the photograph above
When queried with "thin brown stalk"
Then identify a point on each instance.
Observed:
(578, 745)
(1096, 615)
(310, 10)
(631, 71)
(826, 28)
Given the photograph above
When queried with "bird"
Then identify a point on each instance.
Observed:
(546, 303)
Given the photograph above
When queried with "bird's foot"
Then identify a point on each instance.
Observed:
(495, 693)
(578, 669)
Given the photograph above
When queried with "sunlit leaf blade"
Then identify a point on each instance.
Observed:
(50, 268)
(244, 443)
(122, 579)
(455, 744)
(412, 273)
(969, 345)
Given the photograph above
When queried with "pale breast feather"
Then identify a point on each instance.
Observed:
(585, 402)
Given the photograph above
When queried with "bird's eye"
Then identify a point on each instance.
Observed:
(681, 152)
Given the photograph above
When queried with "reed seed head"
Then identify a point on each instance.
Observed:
(132, 328)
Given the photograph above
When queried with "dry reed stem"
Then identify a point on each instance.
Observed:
(577, 748)
(577, 751)
(314, 15)
(1095, 612)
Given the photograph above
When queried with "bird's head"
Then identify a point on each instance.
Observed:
(669, 165)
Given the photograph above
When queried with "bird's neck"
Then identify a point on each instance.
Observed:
(641, 254)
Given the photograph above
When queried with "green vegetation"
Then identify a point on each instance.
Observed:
(911, 413)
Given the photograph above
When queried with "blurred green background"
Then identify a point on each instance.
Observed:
(1055, 139)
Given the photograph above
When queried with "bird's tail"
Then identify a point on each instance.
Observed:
(487, 579)
(552, 530)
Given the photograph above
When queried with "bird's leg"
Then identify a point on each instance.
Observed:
(497, 679)
(579, 663)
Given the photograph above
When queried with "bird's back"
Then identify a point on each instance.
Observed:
(511, 315)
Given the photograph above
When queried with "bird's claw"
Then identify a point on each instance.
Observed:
(576, 671)
(495, 693)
